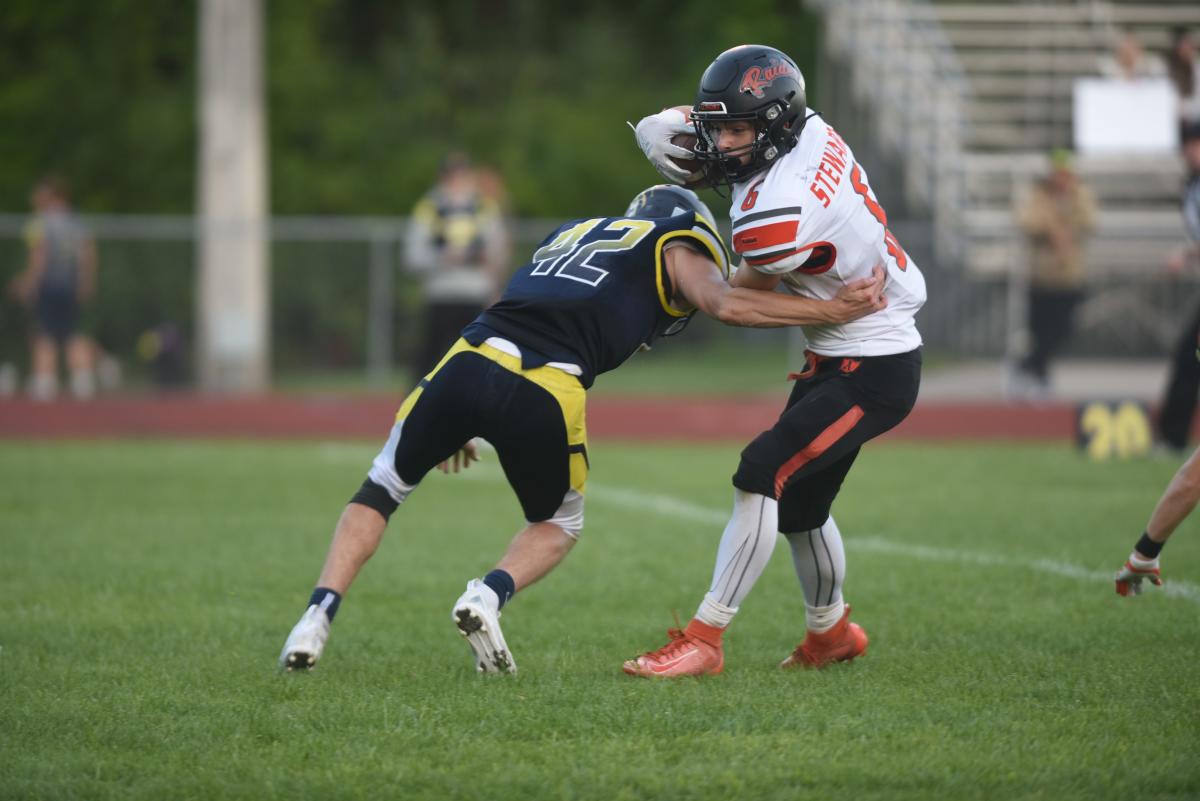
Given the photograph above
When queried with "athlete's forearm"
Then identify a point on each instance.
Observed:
(1177, 501)
(752, 308)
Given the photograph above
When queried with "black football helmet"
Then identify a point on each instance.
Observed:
(667, 200)
(754, 83)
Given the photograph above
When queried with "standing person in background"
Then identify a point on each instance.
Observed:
(1130, 62)
(59, 278)
(1056, 217)
(1183, 385)
(1183, 68)
(458, 240)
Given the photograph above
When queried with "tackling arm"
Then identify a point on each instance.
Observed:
(698, 282)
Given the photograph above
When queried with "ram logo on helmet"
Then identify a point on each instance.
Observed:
(755, 78)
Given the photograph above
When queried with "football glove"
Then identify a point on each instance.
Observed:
(654, 138)
(1129, 577)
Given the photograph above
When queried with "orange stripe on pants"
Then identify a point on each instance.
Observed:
(823, 442)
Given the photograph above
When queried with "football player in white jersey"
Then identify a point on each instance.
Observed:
(804, 217)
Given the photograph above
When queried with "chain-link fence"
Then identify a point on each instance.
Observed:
(346, 313)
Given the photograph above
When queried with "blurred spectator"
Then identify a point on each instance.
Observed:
(1130, 62)
(1183, 385)
(458, 240)
(59, 278)
(1183, 68)
(1056, 216)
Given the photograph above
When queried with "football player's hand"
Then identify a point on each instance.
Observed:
(860, 298)
(1135, 569)
(654, 138)
(461, 459)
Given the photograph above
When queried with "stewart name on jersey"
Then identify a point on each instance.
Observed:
(813, 219)
(595, 291)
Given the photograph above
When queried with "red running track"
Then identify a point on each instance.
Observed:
(369, 417)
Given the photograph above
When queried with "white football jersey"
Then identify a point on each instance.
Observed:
(813, 219)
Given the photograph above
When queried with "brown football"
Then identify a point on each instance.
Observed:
(688, 142)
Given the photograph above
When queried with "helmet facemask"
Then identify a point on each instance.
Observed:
(775, 134)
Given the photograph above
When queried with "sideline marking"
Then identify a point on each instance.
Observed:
(681, 509)
(668, 506)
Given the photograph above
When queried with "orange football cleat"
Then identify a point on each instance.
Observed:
(841, 643)
(693, 651)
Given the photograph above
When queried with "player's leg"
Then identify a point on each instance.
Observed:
(746, 546)
(830, 413)
(819, 558)
(355, 538)
(538, 432)
(435, 420)
(874, 397)
(745, 549)
(535, 551)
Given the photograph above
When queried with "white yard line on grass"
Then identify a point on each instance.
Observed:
(926, 553)
(679, 509)
(667, 506)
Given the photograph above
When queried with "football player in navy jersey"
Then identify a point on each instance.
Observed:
(594, 292)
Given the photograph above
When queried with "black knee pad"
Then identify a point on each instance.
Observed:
(376, 497)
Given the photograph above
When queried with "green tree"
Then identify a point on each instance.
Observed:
(364, 96)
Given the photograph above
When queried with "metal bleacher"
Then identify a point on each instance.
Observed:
(961, 103)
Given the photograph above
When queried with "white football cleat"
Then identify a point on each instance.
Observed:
(479, 622)
(307, 640)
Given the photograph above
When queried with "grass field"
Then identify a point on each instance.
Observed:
(148, 588)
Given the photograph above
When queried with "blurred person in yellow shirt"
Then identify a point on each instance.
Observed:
(1056, 217)
(458, 242)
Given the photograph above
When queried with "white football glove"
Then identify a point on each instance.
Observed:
(1129, 577)
(654, 138)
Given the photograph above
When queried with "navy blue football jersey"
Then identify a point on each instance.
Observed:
(595, 291)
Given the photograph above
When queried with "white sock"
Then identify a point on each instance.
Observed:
(43, 387)
(820, 561)
(820, 619)
(714, 613)
(83, 384)
(745, 550)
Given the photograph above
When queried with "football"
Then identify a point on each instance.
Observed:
(687, 141)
